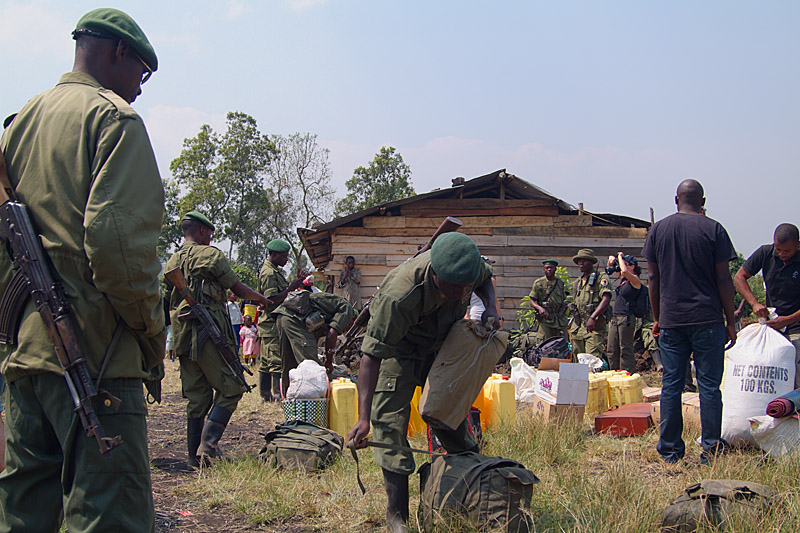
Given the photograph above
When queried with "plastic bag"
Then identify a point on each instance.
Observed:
(595, 363)
(308, 381)
(759, 368)
(776, 436)
(523, 376)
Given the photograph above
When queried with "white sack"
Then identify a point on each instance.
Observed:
(758, 369)
(776, 436)
(308, 381)
(523, 376)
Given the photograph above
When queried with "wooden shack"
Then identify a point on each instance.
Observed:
(513, 223)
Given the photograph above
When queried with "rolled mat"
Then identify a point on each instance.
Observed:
(785, 405)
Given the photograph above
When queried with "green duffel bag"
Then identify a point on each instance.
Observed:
(298, 445)
(713, 502)
(491, 492)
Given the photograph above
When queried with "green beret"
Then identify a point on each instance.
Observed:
(200, 217)
(550, 262)
(455, 258)
(108, 22)
(278, 245)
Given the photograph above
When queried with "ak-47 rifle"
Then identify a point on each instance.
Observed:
(34, 279)
(449, 225)
(208, 329)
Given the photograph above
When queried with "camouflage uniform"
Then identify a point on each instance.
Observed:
(556, 323)
(587, 299)
(271, 281)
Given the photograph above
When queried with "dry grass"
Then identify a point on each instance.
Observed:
(588, 482)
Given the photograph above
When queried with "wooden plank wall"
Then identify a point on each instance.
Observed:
(517, 243)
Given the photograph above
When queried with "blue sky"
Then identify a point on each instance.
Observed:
(607, 103)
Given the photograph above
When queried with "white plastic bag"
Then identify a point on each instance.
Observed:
(308, 381)
(759, 368)
(776, 436)
(523, 376)
(595, 363)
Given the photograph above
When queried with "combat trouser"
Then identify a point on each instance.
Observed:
(270, 355)
(391, 409)
(296, 345)
(620, 343)
(548, 332)
(54, 466)
(208, 382)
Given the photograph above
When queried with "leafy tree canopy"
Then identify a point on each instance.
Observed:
(385, 179)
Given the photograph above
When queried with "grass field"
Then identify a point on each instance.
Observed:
(588, 482)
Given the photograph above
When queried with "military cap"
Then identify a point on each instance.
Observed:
(106, 22)
(278, 245)
(585, 253)
(455, 258)
(200, 217)
(550, 262)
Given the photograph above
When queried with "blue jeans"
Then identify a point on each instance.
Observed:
(707, 342)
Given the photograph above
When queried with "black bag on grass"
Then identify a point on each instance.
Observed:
(554, 347)
(298, 445)
(712, 501)
(492, 492)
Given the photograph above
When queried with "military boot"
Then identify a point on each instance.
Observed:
(276, 386)
(396, 501)
(265, 386)
(194, 430)
(212, 431)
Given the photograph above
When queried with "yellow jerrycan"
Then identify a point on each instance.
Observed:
(342, 406)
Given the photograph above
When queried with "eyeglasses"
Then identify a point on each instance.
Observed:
(100, 35)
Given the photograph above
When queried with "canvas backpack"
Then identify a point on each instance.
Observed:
(713, 501)
(299, 445)
(491, 492)
(554, 347)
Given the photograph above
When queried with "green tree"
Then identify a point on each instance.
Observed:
(756, 283)
(385, 179)
(171, 233)
(223, 176)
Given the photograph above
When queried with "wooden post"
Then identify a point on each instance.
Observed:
(652, 216)
(580, 208)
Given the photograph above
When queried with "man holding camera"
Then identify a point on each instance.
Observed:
(623, 322)
(548, 298)
(592, 297)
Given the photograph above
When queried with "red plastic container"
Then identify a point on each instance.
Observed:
(625, 421)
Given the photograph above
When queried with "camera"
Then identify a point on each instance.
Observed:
(614, 267)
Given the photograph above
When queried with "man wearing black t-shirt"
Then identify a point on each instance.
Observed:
(690, 287)
(779, 263)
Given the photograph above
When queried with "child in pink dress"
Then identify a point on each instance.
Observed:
(250, 341)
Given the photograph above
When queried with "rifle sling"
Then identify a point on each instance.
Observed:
(395, 447)
(109, 350)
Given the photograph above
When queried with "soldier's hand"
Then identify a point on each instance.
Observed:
(590, 324)
(358, 434)
(296, 284)
(491, 317)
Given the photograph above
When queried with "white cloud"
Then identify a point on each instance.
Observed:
(300, 6)
(237, 8)
(168, 126)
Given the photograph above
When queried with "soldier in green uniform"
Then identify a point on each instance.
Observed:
(327, 314)
(272, 284)
(592, 298)
(207, 382)
(79, 157)
(410, 317)
(549, 299)
(645, 327)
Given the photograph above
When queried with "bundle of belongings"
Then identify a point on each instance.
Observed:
(554, 348)
(490, 492)
(779, 433)
(306, 396)
(717, 503)
(298, 445)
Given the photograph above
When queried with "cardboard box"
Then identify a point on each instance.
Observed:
(562, 382)
(690, 407)
(651, 394)
(552, 412)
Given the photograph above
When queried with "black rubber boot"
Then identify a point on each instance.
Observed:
(276, 386)
(194, 430)
(265, 386)
(396, 501)
(212, 431)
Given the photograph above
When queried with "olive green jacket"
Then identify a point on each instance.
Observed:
(409, 316)
(79, 157)
(209, 275)
(336, 312)
(557, 299)
(271, 281)
(587, 300)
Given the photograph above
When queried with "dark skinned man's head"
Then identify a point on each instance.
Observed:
(456, 264)
(278, 252)
(197, 228)
(787, 241)
(690, 195)
(350, 262)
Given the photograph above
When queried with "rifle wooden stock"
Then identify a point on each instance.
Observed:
(208, 328)
(449, 225)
